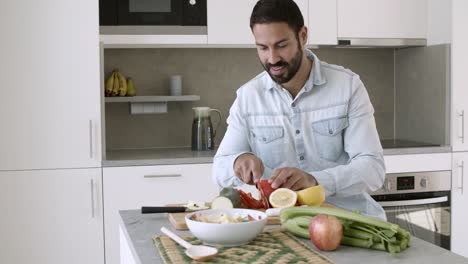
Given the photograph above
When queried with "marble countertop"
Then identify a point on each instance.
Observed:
(184, 155)
(139, 229)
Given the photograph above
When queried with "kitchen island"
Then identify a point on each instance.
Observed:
(137, 230)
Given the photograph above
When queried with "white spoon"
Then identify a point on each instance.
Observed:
(200, 253)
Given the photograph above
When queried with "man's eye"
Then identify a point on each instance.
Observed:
(282, 46)
(262, 48)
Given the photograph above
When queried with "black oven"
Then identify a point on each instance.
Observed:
(152, 12)
(420, 203)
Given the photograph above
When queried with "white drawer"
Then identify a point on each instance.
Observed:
(133, 187)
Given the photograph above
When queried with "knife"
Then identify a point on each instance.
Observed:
(163, 209)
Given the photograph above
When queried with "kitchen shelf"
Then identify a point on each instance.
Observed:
(151, 104)
(153, 41)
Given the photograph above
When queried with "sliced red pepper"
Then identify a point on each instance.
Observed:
(265, 190)
(250, 202)
(250, 218)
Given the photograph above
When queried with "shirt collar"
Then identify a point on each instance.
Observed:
(316, 77)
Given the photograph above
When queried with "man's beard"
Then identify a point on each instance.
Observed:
(291, 68)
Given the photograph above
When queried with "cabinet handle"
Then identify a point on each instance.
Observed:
(460, 178)
(92, 198)
(462, 136)
(91, 141)
(162, 175)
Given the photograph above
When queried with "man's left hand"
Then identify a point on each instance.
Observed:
(292, 178)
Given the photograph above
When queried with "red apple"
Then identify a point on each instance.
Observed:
(325, 232)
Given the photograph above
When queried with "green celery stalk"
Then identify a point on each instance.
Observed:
(356, 242)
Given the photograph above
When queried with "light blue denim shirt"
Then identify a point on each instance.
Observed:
(328, 131)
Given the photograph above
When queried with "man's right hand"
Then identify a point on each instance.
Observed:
(248, 168)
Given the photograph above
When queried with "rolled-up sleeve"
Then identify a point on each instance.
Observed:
(234, 144)
(365, 171)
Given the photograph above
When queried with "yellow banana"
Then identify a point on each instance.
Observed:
(130, 87)
(123, 85)
(115, 90)
(109, 85)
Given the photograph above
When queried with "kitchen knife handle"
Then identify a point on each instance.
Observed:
(462, 136)
(460, 178)
(162, 175)
(91, 140)
(162, 209)
(92, 198)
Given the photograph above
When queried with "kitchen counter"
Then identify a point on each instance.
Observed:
(156, 156)
(171, 156)
(137, 246)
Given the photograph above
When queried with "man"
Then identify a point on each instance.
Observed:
(303, 121)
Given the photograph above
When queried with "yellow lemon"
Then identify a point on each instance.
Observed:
(283, 197)
(313, 196)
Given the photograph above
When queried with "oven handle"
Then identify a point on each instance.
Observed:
(414, 202)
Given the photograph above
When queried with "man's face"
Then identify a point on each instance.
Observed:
(279, 50)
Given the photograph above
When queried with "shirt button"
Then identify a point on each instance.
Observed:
(264, 139)
(301, 157)
(330, 131)
(297, 131)
(293, 105)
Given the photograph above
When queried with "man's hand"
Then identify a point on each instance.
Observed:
(292, 178)
(249, 168)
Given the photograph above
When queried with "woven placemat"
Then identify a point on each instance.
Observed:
(268, 247)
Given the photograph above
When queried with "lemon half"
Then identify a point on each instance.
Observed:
(312, 196)
(283, 197)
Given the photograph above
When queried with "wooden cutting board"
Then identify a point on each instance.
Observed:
(178, 220)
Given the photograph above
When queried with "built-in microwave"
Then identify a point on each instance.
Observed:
(152, 13)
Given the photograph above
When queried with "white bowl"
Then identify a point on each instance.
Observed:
(227, 235)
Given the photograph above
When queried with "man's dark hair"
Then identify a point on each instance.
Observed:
(268, 11)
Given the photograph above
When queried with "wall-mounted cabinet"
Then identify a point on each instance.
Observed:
(382, 19)
(327, 20)
(322, 22)
(50, 70)
(228, 21)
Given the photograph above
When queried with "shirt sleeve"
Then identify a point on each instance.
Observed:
(234, 144)
(365, 171)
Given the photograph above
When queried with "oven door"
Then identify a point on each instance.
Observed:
(160, 12)
(424, 215)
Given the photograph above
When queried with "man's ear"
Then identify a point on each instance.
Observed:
(303, 33)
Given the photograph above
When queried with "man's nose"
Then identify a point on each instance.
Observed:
(273, 57)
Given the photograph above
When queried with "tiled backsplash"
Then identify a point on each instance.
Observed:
(215, 75)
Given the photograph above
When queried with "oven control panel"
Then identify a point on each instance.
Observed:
(415, 182)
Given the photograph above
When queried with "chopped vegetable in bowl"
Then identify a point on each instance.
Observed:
(222, 218)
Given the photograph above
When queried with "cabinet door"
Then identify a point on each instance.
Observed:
(51, 216)
(229, 21)
(459, 231)
(459, 83)
(382, 18)
(50, 103)
(132, 187)
(322, 22)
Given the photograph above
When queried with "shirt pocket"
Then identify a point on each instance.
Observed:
(268, 144)
(328, 136)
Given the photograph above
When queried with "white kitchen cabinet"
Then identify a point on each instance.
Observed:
(229, 21)
(459, 231)
(50, 103)
(459, 83)
(133, 187)
(322, 22)
(51, 216)
(382, 19)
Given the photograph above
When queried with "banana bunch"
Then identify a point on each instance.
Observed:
(117, 85)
